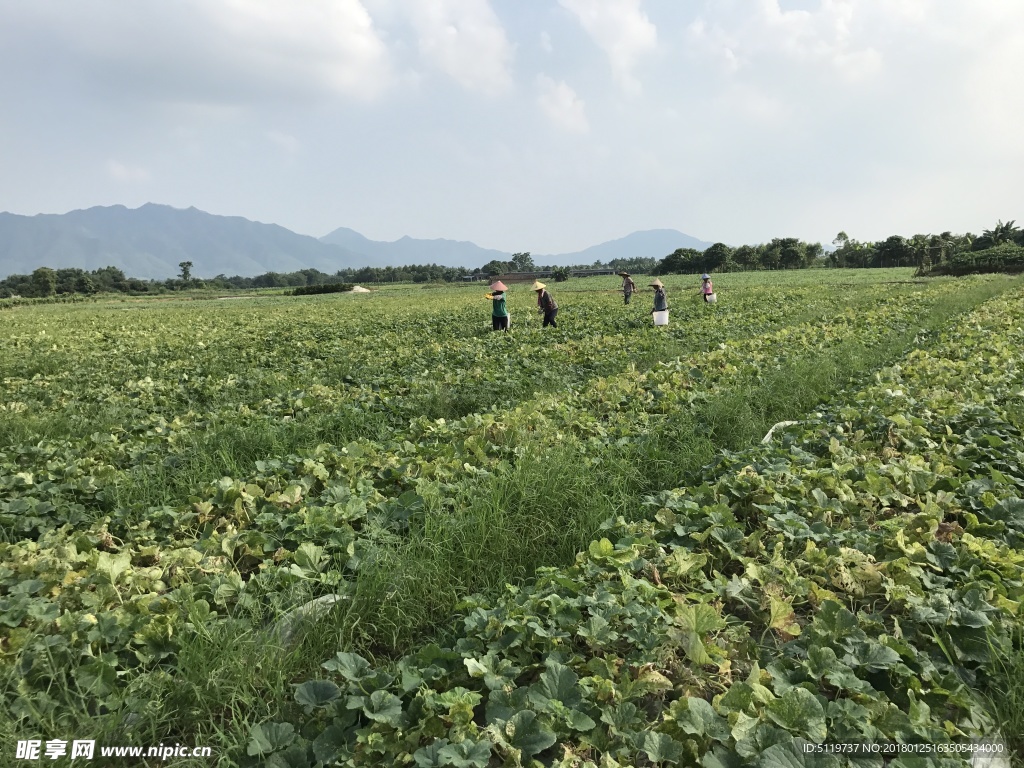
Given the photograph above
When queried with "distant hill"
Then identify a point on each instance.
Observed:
(409, 250)
(150, 241)
(652, 243)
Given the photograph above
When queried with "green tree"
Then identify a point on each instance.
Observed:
(919, 246)
(186, 270)
(44, 282)
(894, 251)
(747, 257)
(681, 261)
(495, 267)
(716, 256)
(1003, 232)
(522, 262)
(84, 284)
(815, 254)
(110, 279)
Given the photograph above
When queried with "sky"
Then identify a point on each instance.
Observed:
(543, 126)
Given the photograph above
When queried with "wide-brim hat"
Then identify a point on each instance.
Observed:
(705, 276)
(498, 286)
(623, 274)
(538, 285)
(657, 284)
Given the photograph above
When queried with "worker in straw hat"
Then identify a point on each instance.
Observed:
(545, 304)
(660, 299)
(499, 312)
(628, 286)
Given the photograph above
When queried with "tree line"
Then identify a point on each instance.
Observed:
(45, 282)
(998, 249)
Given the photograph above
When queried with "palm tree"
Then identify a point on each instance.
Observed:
(1002, 233)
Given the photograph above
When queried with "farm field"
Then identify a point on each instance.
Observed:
(202, 502)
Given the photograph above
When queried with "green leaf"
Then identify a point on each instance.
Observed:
(661, 748)
(525, 732)
(461, 703)
(316, 694)
(332, 742)
(623, 718)
(467, 754)
(834, 620)
(872, 656)
(696, 621)
(799, 711)
(97, 678)
(295, 756)
(384, 707)
(269, 737)
(759, 738)
(113, 565)
(502, 705)
(695, 717)
(785, 756)
(430, 755)
(309, 555)
(351, 666)
(557, 683)
(496, 673)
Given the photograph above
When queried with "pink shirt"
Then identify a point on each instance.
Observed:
(706, 287)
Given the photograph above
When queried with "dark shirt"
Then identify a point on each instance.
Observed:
(545, 302)
(660, 300)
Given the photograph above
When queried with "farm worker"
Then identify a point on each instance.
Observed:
(545, 304)
(499, 313)
(628, 286)
(705, 287)
(660, 299)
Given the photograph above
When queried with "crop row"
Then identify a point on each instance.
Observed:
(845, 583)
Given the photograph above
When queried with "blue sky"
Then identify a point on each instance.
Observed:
(546, 126)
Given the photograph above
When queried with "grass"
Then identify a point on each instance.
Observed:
(1003, 695)
(552, 504)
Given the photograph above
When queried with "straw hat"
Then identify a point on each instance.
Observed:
(623, 274)
(538, 285)
(498, 286)
(657, 284)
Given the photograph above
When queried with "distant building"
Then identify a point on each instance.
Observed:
(525, 277)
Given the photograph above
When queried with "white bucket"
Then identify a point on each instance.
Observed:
(712, 298)
(661, 318)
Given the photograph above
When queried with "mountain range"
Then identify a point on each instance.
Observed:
(149, 242)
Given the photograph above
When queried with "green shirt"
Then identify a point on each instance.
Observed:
(499, 306)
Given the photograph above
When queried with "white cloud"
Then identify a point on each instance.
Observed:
(215, 51)
(620, 29)
(562, 106)
(128, 174)
(287, 143)
(331, 42)
(545, 42)
(743, 35)
(465, 40)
